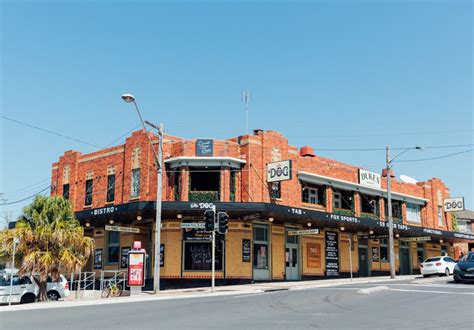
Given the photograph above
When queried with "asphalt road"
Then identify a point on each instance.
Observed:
(442, 304)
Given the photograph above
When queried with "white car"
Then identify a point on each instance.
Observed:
(25, 290)
(441, 265)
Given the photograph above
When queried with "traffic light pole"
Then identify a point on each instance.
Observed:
(213, 262)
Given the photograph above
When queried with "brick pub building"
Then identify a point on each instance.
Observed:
(116, 187)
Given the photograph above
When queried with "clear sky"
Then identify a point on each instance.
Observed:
(330, 74)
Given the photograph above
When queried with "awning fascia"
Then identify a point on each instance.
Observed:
(352, 186)
(205, 161)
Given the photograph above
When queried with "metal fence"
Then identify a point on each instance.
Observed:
(108, 277)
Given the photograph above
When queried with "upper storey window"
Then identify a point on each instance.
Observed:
(135, 191)
(369, 206)
(314, 194)
(88, 195)
(66, 191)
(413, 213)
(204, 184)
(343, 201)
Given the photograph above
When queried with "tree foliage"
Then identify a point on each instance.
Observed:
(51, 240)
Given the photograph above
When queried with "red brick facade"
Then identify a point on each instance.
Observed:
(256, 150)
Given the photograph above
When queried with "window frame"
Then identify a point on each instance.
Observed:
(110, 189)
(89, 191)
(66, 190)
(135, 183)
(113, 245)
(410, 212)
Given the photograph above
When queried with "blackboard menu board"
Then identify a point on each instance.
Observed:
(246, 250)
(332, 254)
(204, 147)
(198, 256)
(162, 255)
(375, 254)
(97, 258)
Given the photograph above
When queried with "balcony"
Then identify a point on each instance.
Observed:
(203, 196)
(369, 215)
(349, 213)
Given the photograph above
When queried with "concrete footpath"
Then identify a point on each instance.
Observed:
(93, 297)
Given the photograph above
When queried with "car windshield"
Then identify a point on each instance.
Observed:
(432, 259)
(469, 257)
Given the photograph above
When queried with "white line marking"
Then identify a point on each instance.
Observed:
(432, 291)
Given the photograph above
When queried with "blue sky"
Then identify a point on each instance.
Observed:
(330, 74)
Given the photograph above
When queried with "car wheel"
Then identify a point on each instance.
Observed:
(457, 280)
(53, 296)
(446, 272)
(28, 298)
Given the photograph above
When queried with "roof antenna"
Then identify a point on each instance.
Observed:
(246, 98)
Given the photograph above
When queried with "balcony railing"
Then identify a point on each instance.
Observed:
(369, 215)
(349, 213)
(203, 196)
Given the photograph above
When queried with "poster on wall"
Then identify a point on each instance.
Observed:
(313, 251)
(375, 254)
(162, 255)
(98, 259)
(332, 254)
(124, 257)
(246, 250)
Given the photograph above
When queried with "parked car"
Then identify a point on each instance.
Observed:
(25, 290)
(464, 269)
(441, 265)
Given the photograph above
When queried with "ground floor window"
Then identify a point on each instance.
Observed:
(420, 252)
(384, 256)
(198, 256)
(260, 256)
(113, 247)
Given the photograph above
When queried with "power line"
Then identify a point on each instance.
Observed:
(123, 135)
(432, 158)
(50, 132)
(24, 199)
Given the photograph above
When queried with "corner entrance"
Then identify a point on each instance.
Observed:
(291, 258)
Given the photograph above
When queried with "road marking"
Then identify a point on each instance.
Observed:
(432, 291)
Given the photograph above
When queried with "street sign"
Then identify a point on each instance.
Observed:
(454, 204)
(416, 239)
(193, 225)
(303, 232)
(373, 236)
(122, 229)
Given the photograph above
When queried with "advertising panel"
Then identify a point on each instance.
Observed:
(332, 254)
(313, 251)
(136, 268)
(246, 250)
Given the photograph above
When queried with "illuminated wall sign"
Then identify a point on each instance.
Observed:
(454, 204)
(279, 171)
(369, 179)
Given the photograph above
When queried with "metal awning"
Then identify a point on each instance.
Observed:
(231, 162)
(352, 186)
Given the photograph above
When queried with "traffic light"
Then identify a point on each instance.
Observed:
(223, 222)
(209, 216)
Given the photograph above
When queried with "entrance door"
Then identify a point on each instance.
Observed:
(292, 271)
(363, 261)
(405, 268)
(291, 262)
(261, 253)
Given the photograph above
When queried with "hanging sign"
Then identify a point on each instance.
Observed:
(454, 204)
(122, 229)
(198, 225)
(302, 232)
(369, 179)
(279, 171)
(416, 239)
(136, 268)
(332, 254)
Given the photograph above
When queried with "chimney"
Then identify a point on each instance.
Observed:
(306, 151)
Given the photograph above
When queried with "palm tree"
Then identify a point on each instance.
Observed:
(51, 241)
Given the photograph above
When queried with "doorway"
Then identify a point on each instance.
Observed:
(363, 261)
(292, 272)
(405, 268)
(261, 253)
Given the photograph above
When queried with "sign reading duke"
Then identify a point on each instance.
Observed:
(279, 171)
(369, 179)
(454, 204)
(204, 147)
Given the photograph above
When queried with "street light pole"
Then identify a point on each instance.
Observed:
(389, 207)
(15, 242)
(159, 189)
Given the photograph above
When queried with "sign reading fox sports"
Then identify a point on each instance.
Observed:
(279, 171)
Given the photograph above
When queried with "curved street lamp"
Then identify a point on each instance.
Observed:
(389, 165)
(129, 98)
